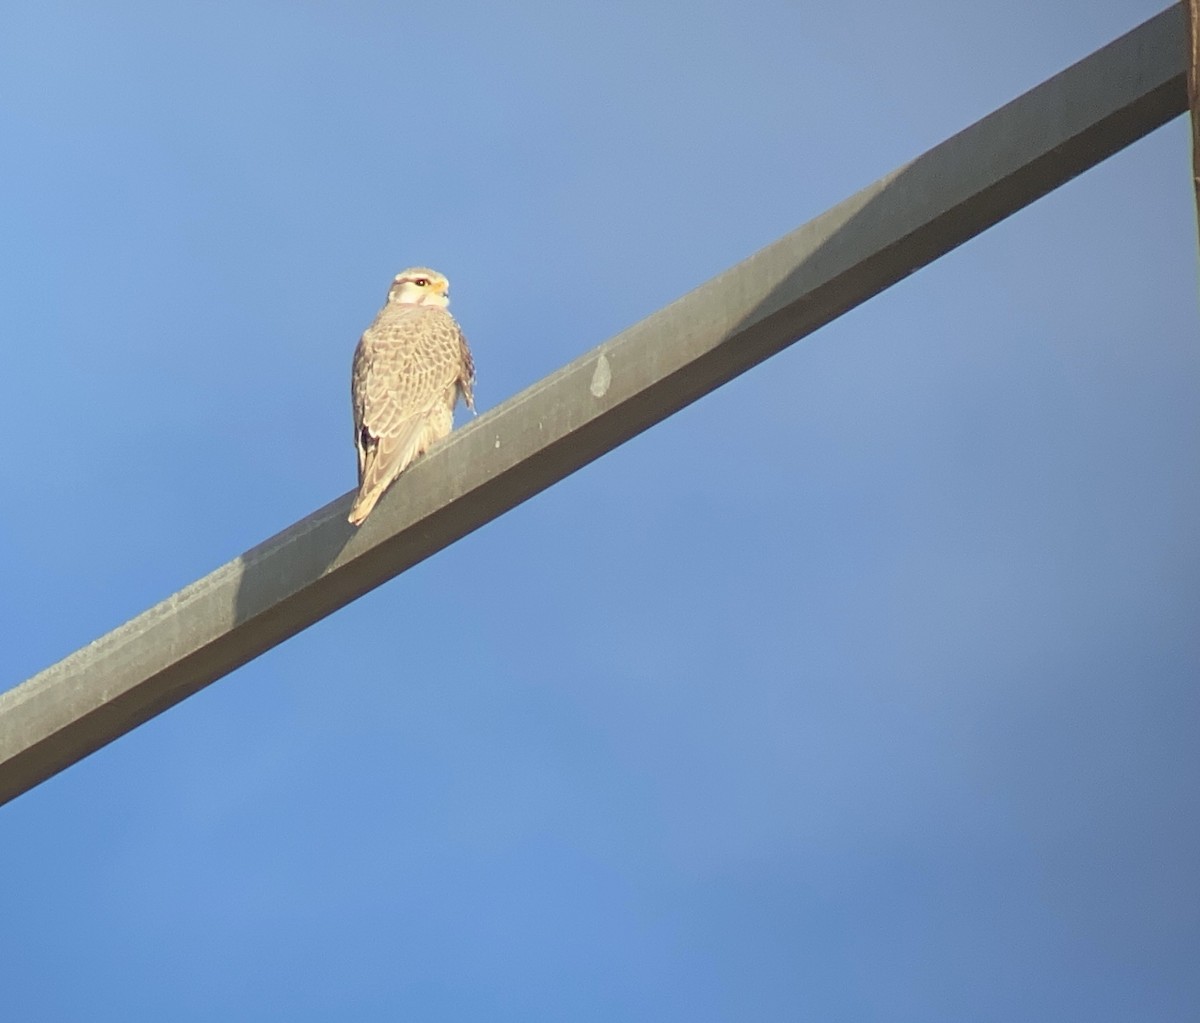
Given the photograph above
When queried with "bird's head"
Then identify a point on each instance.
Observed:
(419, 286)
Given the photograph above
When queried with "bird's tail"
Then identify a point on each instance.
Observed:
(390, 456)
(363, 504)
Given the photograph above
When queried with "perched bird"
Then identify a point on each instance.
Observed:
(410, 366)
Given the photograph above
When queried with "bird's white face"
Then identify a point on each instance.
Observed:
(420, 286)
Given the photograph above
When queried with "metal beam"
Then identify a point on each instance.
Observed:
(789, 289)
(1192, 10)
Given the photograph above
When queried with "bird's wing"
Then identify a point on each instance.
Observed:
(404, 367)
(466, 372)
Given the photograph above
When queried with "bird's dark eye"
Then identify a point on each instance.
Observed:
(422, 282)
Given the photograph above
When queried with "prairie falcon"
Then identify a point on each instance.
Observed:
(410, 367)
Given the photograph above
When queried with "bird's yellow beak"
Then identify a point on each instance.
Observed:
(441, 287)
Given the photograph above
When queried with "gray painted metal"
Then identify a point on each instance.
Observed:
(786, 291)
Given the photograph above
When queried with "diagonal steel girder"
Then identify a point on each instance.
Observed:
(801, 282)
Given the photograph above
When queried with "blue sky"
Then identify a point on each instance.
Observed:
(865, 688)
